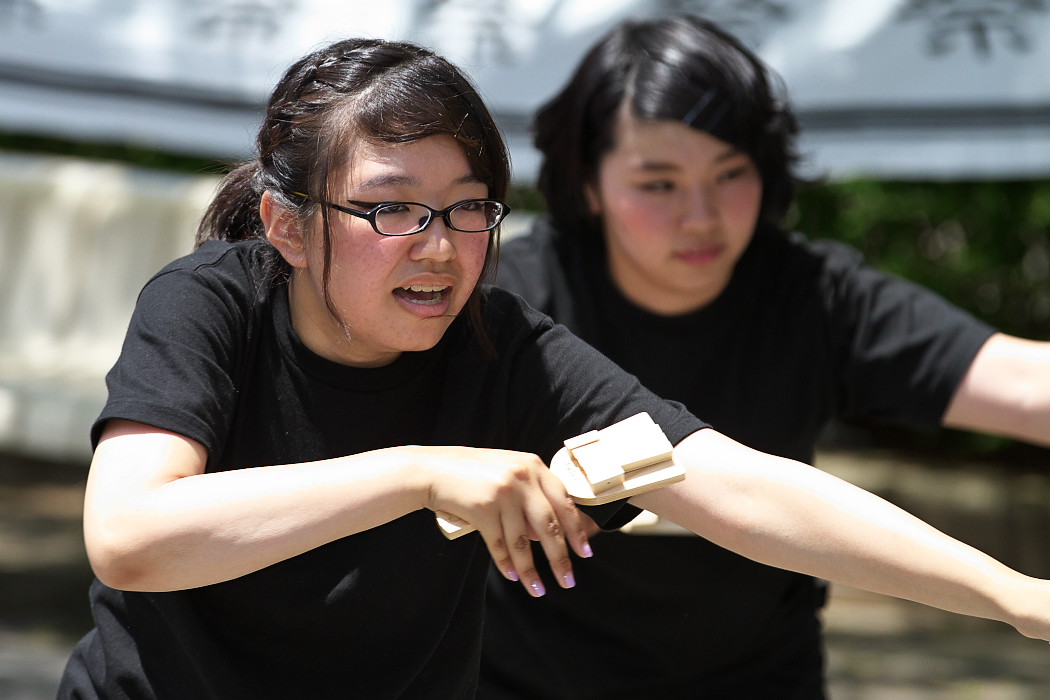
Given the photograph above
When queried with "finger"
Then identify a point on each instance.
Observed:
(576, 527)
(516, 529)
(551, 512)
(552, 540)
(492, 533)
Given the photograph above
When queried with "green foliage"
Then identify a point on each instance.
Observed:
(156, 158)
(985, 246)
(525, 199)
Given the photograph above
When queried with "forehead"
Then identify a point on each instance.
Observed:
(645, 143)
(431, 161)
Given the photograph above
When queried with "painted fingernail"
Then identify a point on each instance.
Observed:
(537, 589)
(569, 580)
(512, 574)
(587, 551)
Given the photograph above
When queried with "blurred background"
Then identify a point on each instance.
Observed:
(929, 119)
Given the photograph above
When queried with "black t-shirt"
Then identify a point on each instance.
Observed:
(805, 332)
(394, 611)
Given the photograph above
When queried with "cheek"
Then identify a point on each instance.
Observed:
(740, 209)
(363, 265)
(473, 252)
(635, 220)
(747, 198)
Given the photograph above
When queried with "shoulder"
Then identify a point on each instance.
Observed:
(528, 265)
(824, 267)
(239, 270)
(836, 257)
(530, 245)
(243, 259)
(215, 294)
(792, 249)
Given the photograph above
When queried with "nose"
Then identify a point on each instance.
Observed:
(701, 207)
(434, 242)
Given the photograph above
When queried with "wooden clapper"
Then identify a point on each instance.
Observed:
(622, 460)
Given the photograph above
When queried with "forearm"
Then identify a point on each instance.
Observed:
(154, 520)
(206, 528)
(796, 517)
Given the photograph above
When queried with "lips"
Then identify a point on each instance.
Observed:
(700, 254)
(422, 294)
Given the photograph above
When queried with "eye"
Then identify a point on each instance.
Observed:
(735, 169)
(732, 173)
(657, 186)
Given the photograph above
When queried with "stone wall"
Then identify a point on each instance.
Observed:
(77, 241)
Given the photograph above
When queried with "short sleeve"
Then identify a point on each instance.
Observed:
(903, 350)
(177, 367)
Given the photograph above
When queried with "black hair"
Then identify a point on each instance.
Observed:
(682, 68)
(370, 89)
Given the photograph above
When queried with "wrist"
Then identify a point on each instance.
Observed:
(1024, 603)
(417, 479)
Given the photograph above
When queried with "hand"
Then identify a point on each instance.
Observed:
(511, 498)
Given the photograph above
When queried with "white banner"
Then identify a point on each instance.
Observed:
(888, 88)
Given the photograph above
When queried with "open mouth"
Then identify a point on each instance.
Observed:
(423, 294)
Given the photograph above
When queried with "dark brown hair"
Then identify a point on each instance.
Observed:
(681, 68)
(375, 90)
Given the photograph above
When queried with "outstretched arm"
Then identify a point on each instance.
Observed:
(154, 520)
(793, 516)
(1006, 391)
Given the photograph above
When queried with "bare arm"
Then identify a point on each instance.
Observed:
(154, 520)
(1006, 391)
(793, 516)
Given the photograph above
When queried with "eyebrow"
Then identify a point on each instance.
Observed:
(663, 166)
(407, 180)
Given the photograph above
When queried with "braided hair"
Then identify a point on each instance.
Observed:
(351, 90)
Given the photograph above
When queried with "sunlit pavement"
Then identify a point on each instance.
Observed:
(879, 648)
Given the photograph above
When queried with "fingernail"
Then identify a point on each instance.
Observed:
(587, 551)
(512, 574)
(569, 580)
(537, 589)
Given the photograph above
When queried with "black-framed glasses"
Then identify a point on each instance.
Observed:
(406, 218)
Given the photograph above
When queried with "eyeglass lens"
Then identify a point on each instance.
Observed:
(403, 218)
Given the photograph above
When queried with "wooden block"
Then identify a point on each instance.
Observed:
(605, 455)
(599, 463)
(636, 481)
(451, 526)
(623, 460)
(636, 442)
(581, 440)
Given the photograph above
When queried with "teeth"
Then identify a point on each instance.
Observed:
(426, 288)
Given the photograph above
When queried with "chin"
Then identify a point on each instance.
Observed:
(429, 336)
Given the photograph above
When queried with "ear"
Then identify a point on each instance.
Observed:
(594, 202)
(283, 231)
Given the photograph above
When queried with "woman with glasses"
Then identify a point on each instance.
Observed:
(297, 398)
(668, 161)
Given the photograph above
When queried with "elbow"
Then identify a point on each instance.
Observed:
(116, 571)
(117, 561)
(1033, 421)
